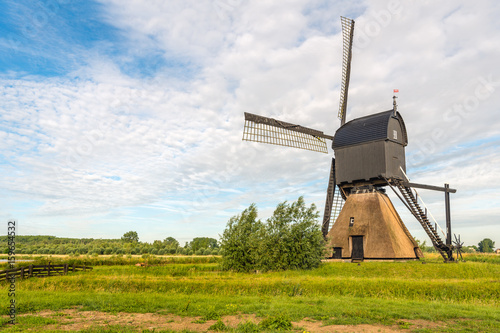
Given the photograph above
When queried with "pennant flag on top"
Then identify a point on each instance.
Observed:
(396, 90)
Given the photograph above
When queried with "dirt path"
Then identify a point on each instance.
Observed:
(74, 319)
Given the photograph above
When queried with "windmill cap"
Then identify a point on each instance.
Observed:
(374, 127)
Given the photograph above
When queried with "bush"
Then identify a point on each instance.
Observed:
(293, 238)
(240, 240)
(290, 239)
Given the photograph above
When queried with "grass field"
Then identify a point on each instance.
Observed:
(192, 294)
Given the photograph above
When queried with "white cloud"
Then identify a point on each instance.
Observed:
(100, 145)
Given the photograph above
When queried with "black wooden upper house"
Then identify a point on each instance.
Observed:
(369, 148)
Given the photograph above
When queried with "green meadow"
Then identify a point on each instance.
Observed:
(414, 296)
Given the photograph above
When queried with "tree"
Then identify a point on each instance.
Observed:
(486, 245)
(158, 244)
(203, 243)
(171, 243)
(240, 241)
(290, 239)
(423, 246)
(130, 237)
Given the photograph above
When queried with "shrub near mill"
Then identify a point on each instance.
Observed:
(290, 239)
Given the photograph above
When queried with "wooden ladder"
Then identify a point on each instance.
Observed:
(421, 216)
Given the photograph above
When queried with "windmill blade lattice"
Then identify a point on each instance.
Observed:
(347, 36)
(272, 131)
(333, 203)
(337, 205)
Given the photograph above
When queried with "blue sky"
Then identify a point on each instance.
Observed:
(128, 115)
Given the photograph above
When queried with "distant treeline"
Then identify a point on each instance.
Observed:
(128, 244)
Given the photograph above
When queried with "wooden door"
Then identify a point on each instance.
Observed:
(357, 247)
(337, 253)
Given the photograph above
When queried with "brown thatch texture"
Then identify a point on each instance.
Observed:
(384, 234)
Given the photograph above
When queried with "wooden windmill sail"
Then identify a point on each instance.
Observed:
(369, 156)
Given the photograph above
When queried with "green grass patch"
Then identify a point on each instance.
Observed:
(279, 323)
(491, 258)
(26, 322)
(464, 295)
(248, 327)
(211, 315)
(469, 282)
(113, 260)
(219, 326)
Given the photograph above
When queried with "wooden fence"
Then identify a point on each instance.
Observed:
(40, 270)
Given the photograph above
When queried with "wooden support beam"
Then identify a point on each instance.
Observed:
(448, 223)
(430, 187)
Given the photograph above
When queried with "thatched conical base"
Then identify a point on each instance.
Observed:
(368, 227)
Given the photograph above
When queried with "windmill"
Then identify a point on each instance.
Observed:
(369, 156)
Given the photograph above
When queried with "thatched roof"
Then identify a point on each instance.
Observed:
(384, 234)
